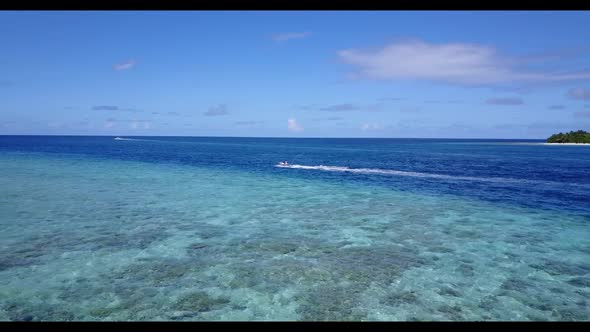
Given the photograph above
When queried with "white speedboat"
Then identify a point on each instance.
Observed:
(118, 139)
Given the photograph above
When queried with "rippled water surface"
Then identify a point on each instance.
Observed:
(180, 228)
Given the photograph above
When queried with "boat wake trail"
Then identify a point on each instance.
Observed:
(427, 175)
(130, 139)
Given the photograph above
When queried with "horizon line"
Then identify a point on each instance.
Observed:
(307, 137)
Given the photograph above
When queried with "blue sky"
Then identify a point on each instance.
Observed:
(493, 74)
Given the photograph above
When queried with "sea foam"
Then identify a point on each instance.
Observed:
(425, 175)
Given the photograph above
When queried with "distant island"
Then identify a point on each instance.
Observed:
(579, 136)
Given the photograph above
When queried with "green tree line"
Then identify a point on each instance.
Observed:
(578, 136)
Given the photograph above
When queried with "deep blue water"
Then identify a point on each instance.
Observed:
(548, 177)
(186, 228)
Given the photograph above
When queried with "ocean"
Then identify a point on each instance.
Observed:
(208, 228)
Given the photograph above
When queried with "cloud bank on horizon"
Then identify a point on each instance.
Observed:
(294, 126)
(218, 110)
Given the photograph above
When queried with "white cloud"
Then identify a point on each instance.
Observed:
(114, 108)
(248, 123)
(346, 107)
(579, 93)
(505, 101)
(457, 63)
(340, 108)
(371, 126)
(294, 126)
(125, 65)
(139, 124)
(217, 110)
(279, 37)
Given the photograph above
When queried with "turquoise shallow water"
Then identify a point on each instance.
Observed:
(92, 238)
